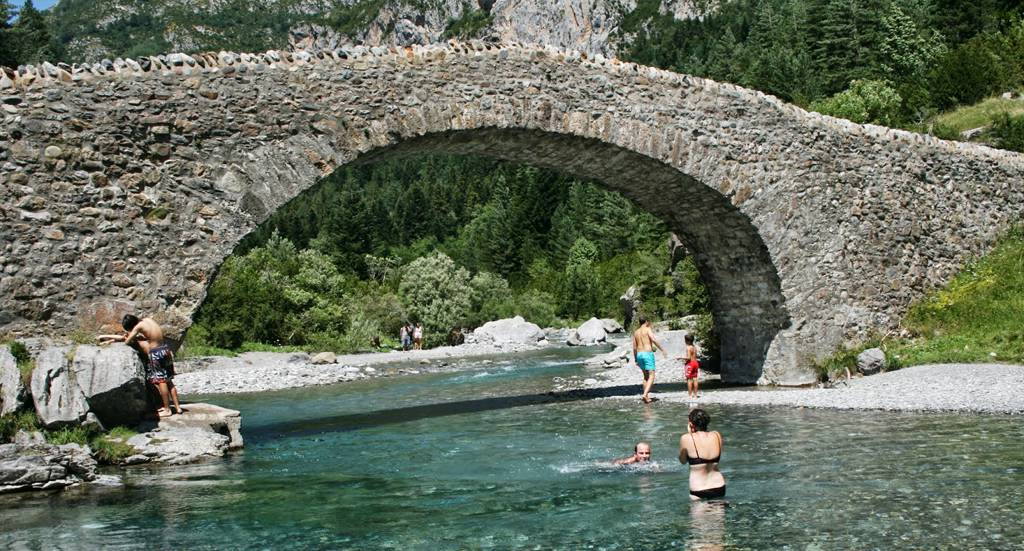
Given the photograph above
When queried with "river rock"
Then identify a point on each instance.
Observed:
(203, 430)
(590, 333)
(324, 358)
(616, 358)
(611, 326)
(871, 361)
(178, 446)
(514, 331)
(44, 466)
(112, 378)
(57, 397)
(13, 393)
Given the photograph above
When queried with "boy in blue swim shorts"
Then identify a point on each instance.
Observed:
(644, 343)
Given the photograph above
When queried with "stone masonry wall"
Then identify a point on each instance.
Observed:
(123, 186)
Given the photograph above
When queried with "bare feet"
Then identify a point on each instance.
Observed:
(645, 399)
(163, 412)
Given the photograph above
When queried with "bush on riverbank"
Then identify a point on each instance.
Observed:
(107, 447)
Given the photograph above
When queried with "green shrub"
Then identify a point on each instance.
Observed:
(866, 101)
(11, 423)
(1008, 132)
(437, 293)
(23, 359)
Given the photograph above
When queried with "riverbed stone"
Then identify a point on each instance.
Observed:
(58, 399)
(13, 392)
(871, 361)
(112, 379)
(324, 358)
(590, 333)
(509, 331)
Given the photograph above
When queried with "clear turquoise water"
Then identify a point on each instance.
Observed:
(485, 458)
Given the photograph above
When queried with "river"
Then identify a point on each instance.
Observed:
(485, 458)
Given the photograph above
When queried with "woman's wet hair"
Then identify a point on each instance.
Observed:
(129, 322)
(688, 338)
(700, 419)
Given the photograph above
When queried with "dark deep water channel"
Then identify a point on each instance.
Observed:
(483, 458)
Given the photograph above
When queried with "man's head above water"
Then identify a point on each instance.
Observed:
(641, 454)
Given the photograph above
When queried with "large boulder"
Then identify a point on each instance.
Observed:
(871, 361)
(112, 379)
(57, 397)
(510, 331)
(44, 466)
(590, 333)
(611, 326)
(630, 302)
(13, 393)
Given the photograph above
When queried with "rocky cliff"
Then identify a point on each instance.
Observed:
(91, 30)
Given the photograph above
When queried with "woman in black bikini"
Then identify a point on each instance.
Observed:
(702, 450)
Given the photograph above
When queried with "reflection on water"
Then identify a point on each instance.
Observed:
(463, 461)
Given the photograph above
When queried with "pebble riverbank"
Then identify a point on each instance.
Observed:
(981, 388)
(266, 371)
(978, 388)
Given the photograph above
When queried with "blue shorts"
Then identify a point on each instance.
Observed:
(645, 360)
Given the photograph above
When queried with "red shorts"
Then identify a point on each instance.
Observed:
(692, 368)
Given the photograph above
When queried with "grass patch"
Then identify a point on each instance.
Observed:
(976, 318)
(836, 365)
(113, 446)
(976, 116)
(11, 423)
(261, 347)
(71, 435)
(199, 350)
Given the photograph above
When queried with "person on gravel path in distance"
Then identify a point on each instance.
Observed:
(644, 343)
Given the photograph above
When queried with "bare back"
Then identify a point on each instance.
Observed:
(706, 446)
(149, 330)
(643, 340)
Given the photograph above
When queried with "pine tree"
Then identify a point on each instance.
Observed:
(8, 57)
(33, 35)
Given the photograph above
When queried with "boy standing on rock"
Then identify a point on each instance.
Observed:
(149, 337)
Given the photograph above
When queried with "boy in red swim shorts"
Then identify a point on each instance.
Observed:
(692, 367)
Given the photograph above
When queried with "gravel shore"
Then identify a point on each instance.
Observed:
(265, 371)
(979, 388)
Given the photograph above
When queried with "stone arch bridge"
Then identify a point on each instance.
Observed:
(124, 185)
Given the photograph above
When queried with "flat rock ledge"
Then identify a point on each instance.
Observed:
(42, 466)
(967, 388)
(203, 430)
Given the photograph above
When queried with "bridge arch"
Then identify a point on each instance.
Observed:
(127, 188)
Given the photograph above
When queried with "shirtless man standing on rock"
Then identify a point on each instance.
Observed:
(644, 343)
(147, 336)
